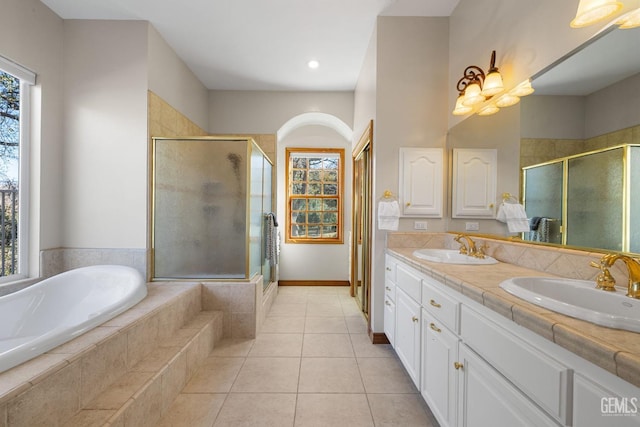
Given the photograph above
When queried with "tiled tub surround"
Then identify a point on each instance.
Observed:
(58, 260)
(614, 350)
(127, 370)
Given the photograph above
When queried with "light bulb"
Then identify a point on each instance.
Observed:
(492, 84)
(472, 95)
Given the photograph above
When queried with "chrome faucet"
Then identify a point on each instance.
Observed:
(605, 280)
(470, 248)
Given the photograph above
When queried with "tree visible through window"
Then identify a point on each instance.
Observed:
(314, 195)
(9, 161)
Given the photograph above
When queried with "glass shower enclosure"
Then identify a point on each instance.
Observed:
(595, 196)
(209, 203)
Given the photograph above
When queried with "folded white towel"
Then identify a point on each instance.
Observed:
(388, 215)
(515, 217)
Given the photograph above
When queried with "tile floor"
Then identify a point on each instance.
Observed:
(311, 365)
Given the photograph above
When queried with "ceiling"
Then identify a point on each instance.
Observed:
(262, 44)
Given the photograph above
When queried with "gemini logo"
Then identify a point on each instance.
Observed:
(619, 406)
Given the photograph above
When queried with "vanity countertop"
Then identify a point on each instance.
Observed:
(615, 350)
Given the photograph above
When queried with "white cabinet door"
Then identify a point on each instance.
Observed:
(475, 173)
(407, 334)
(421, 181)
(486, 398)
(439, 385)
(390, 319)
(595, 406)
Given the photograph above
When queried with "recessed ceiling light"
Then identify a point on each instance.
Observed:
(313, 64)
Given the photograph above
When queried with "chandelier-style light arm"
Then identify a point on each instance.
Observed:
(471, 74)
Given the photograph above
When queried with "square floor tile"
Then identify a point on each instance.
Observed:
(406, 410)
(193, 410)
(363, 347)
(385, 375)
(325, 310)
(356, 324)
(232, 347)
(327, 345)
(288, 309)
(330, 375)
(216, 375)
(322, 410)
(259, 410)
(268, 375)
(283, 324)
(325, 325)
(277, 345)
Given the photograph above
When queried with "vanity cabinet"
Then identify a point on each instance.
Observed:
(390, 300)
(440, 321)
(474, 367)
(475, 175)
(408, 319)
(421, 181)
(486, 398)
(407, 336)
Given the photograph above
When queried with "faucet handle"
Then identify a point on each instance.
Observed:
(480, 252)
(604, 280)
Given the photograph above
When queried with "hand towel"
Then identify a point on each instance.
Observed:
(515, 217)
(388, 215)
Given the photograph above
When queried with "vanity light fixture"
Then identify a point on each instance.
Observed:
(507, 100)
(593, 11)
(488, 110)
(523, 89)
(475, 86)
(630, 20)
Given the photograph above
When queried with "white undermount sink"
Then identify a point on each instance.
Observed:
(451, 256)
(579, 299)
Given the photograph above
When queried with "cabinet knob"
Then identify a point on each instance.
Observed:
(387, 288)
(388, 269)
(435, 304)
(408, 203)
(434, 327)
(387, 302)
(457, 365)
(415, 319)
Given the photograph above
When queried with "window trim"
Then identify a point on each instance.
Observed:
(339, 239)
(27, 79)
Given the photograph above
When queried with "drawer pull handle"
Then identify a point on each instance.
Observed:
(457, 365)
(388, 269)
(387, 288)
(435, 304)
(415, 319)
(387, 302)
(434, 327)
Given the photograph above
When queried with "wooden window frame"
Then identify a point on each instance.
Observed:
(335, 152)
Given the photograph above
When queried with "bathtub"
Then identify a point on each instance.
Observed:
(58, 309)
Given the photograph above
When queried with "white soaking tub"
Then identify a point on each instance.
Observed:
(58, 309)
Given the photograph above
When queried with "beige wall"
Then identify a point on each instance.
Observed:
(410, 94)
(105, 121)
(240, 112)
(170, 79)
(32, 35)
(527, 37)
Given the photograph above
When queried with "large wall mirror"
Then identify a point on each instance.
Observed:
(571, 151)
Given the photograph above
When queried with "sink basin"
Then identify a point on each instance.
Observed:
(579, 299)
(451, 256)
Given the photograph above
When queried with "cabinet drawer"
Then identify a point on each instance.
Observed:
(390, 290)
(390, 268)
(410, 281)
(543, 379)
(442, 306)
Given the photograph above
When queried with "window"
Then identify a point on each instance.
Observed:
(314, 195)
(15, 82)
